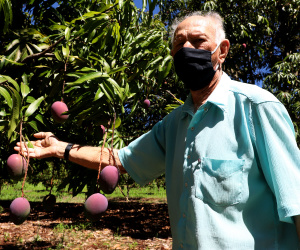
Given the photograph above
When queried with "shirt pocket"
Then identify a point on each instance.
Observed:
(219, 182)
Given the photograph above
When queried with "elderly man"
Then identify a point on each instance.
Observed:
(229, 154)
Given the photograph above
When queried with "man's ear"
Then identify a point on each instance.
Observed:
(224, 49)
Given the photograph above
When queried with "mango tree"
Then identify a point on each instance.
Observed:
(102, 59)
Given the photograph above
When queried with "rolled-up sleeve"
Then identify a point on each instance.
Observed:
(279, 156)
(144, 158)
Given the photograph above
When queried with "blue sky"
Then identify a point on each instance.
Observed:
(139, 4)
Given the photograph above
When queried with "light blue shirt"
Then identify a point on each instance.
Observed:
(232, 170)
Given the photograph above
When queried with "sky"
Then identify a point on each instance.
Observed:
(139, 4)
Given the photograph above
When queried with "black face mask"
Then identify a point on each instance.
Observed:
(194, 67)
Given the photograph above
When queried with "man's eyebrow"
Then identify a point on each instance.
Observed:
(179, 36)
(198, 33)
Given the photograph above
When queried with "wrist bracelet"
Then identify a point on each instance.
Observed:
(67, 151)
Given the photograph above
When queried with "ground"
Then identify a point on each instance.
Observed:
(137, 224)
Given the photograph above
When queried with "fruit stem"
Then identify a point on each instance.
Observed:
(64, 83)
(100, 163)
(112, 141)
(21, 152)
(121, 190)
(21, 148)
(27, 164)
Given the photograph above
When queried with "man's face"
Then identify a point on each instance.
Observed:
(195, 32)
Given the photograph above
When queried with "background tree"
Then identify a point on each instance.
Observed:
(102, 58)
(5, 14)
(264, 37)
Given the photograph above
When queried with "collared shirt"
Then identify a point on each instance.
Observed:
(232, 170)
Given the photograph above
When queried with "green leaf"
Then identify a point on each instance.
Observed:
(144, 5)
(33, 124)
(121, 3)
(96, 13)
(29, 144)
(40, 118)
(67, 33)
(88, 77)
(6, 96)
(66, 51)
(4, 78)
(15, 116)
(171, 107)
(117, 70)
(104, 64)
(152, 4)
(16, 102)
(108, 93)
(58, 55)
(116, 87)
(58, 27)
(98, 94)
(117, 123)
(25, 90)
(12, 61)
(36, 47)
(25, 78)
(30, 99)
(33, 106)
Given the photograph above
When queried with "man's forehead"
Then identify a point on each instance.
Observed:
(192, 32)
(193, 25)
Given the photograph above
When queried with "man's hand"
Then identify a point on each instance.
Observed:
(48, 145)
(45, 146)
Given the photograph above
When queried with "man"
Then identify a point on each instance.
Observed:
(229, 153)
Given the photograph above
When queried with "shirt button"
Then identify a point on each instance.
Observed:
(183, 215)
(185, 184)
(181, 245)
(188, 156)
(205, 109)
(192, 128)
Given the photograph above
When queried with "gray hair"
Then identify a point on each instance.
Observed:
(219, 23)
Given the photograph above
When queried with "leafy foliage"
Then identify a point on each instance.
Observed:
(102, 58)
(269, 29)
(6, 11)
(285, 83)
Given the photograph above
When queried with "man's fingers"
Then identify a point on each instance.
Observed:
(42, 135)
(34, 143)
(24, 149)
(32, 152)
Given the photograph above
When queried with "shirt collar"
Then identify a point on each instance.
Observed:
(218, 97)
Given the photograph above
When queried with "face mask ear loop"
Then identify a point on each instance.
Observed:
(214, 52)
(217, 67)
(216, 48)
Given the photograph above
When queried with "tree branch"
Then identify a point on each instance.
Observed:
(38, 55)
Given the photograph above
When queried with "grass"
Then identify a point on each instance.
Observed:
(66, 235)
(38, 192)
